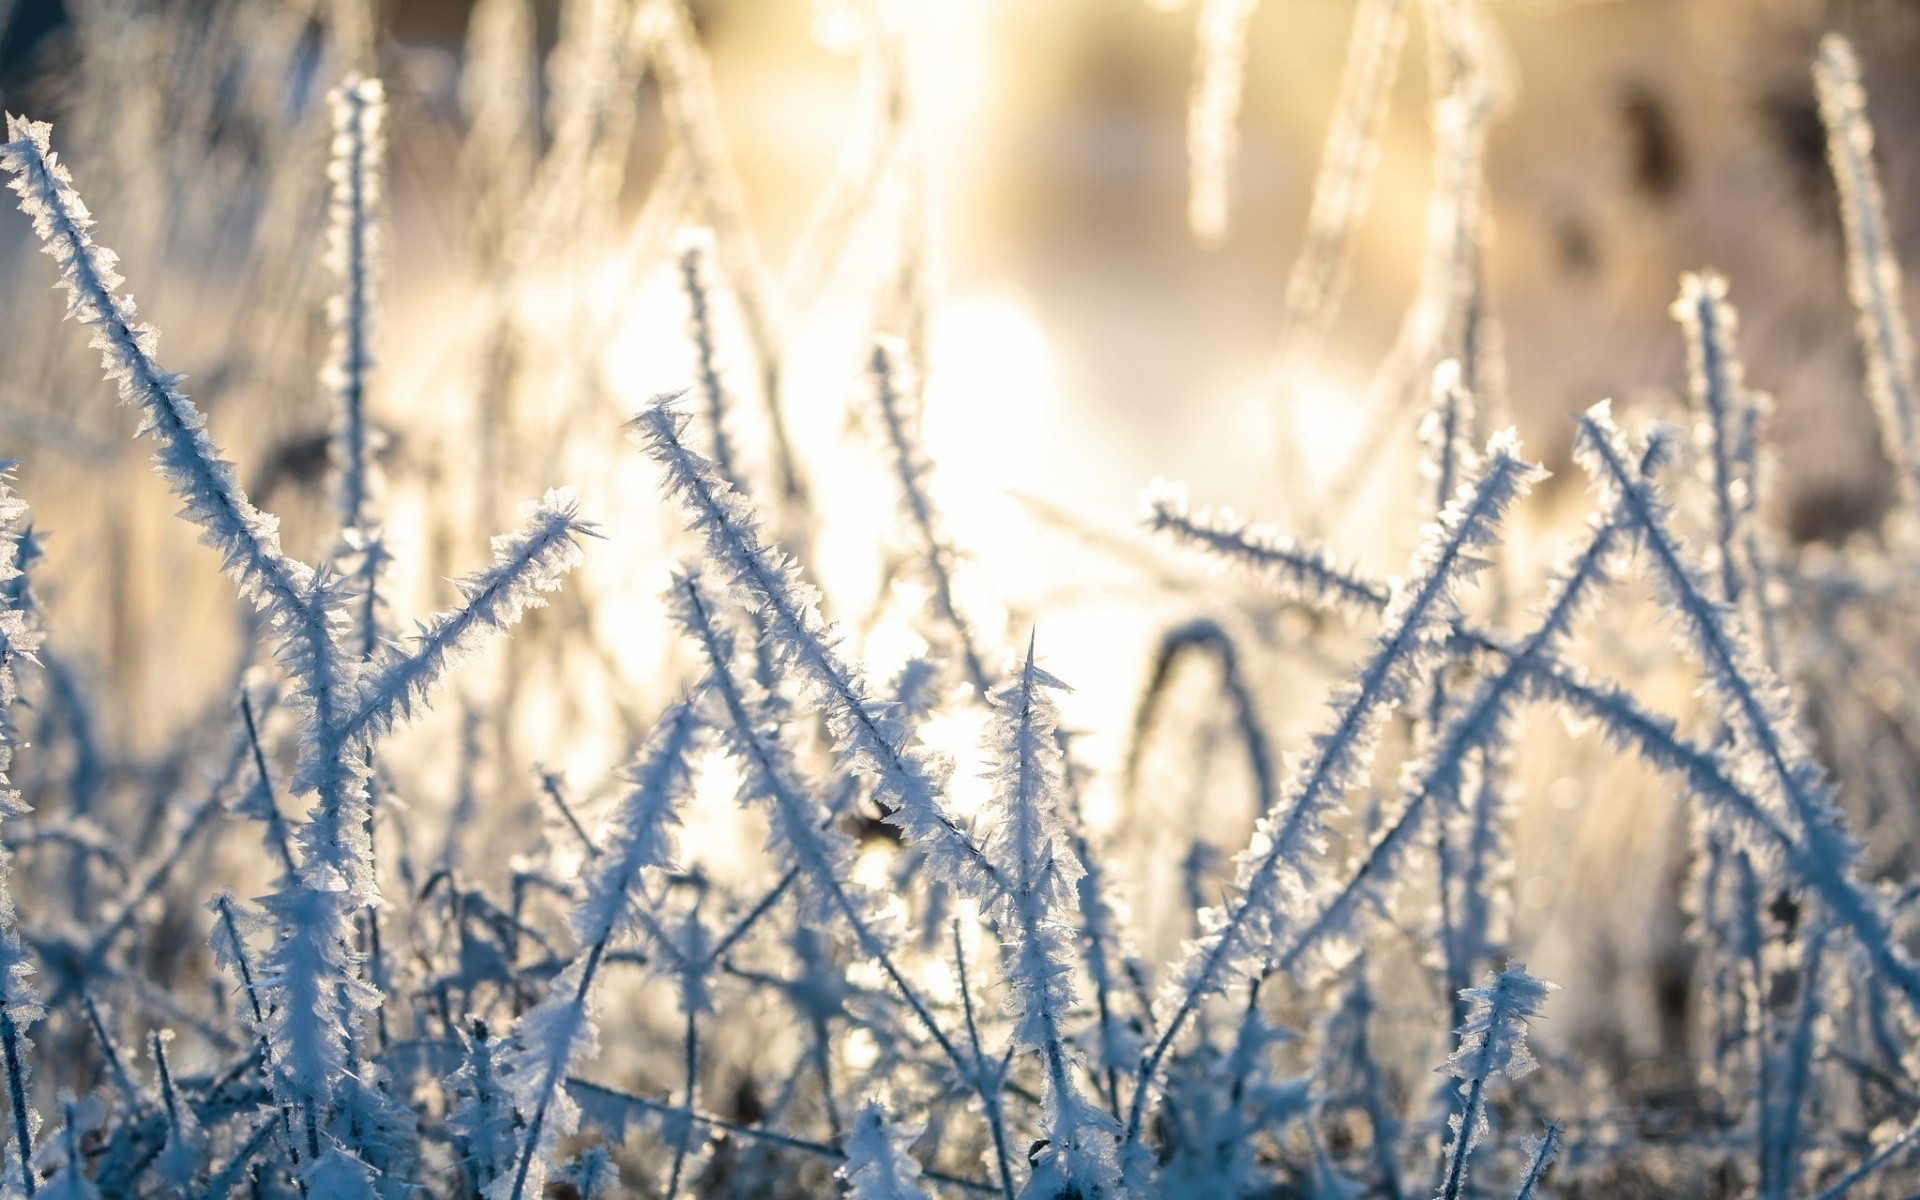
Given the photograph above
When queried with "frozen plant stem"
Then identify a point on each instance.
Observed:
(822, 855)
(990, 1096)
(1478, 723)
(1311, 575)
(1031, 851)
(1213, 113)
(1342, 188)
(266, 808)
(1411, 643)
(769, 583)
(559, 1030)
(753, 1133)
(1545, 1150)
(1715, 381)
(359, 112)
(19, 1005)
(911, 470)
(1885, 1154)
(713, 389)
(690, 1047)
(686, 93)
(1755, 704)
(1202, 635)
(1873, 265)
(10, 1042)
(1493, 1042)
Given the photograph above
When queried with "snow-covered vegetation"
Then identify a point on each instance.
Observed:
(652, 865)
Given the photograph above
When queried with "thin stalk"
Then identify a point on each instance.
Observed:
(17, 1097)
(989, 1097)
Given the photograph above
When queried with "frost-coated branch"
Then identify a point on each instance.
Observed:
(1213, 114)
(1347, 1041)
(1032, 852)
(1343, 186)
(1493, 1042)
(527, 564)
(1204, 635)
(1873, 262)
(1781, 1135)
(69, 1181)
(247, 540)
(800, 640)
(559, 1031)
(227, 1179)
(1442, 321)
(184, 1155)
(309, 965)
(1724, 433)
(20, 1006)
(20, 639)
(1102, 926)
(1756, 468)
(694, 250)
(802, 830)
(1715, 380)
(302, 606)
(1769, 751)
(642, 834)
(1653, 737)
(1446, 431)
(1533, 670)
(1759, 708)
(989, 1077)
(1274, 878)
(228, 941)
(1715, 781)
(258, 802)
(878, 1165)
(911, 470)
(1474, 936)
(685, 78)
(356, 171)
(617, 1105)
(1475, 725)
(483, 1123)
(309, 970)
(1301, 572)
(1543, 1150)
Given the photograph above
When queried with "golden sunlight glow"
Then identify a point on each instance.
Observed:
(1326, 417)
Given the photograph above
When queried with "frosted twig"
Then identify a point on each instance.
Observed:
(1213, 113)
(765, 580)
(1873, 261)
(1272, 872)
